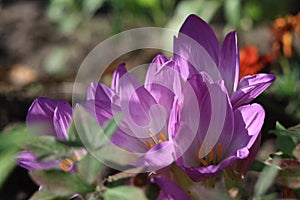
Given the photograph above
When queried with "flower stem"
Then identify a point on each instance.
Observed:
(209, 183)
(182, 180)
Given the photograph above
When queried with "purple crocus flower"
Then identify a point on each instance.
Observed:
(146, 127)
(225, 135)
(196, 49)
(47, 117)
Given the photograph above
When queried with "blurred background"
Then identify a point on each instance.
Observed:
(43, 43)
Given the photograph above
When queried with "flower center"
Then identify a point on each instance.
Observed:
(212, 157)
(162, 138)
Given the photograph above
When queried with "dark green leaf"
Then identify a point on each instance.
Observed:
(257, 166)
(124, 193)
(286, 144)
(290, 132)
(61, 183)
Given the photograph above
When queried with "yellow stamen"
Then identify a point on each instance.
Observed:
(66, 164)
(154, 139)
(201, 160)
(211, 154)
(163, 137)
(159, 141)
(219, 152)
(149, 144)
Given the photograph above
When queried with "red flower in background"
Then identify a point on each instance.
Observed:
(250, 61)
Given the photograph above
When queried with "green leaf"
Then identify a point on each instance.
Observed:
(14, 136)
(286, 144)
(89, 168)
(45, 195)
(73, 134)
(45, 145)
(290, 132)
(124, 193)
(61, 183)
(266, 179)
(7, 163)
(11, 139)
(257, 166)
(111, 126)
(89, 131)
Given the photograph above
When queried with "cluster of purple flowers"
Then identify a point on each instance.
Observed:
(193, 117)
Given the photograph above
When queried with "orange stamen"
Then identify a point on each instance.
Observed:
(149, 144)
(219, 151)
(66, 164)
(163, 137)
(201, 160)
(75, 157)
(211, 154)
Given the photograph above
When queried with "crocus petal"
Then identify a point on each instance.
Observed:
(160, 81)
(161, 155)
(100, 92)
(49, 117)
(171, 190)
(139, 108)
(196, 49)
(248, 123)
(101, 110)
(191, 58)
(201, 32)
(61, 119)
(157, 63)
(243, 165)
(200, 173)
(229, 62)
(115, 83)
(29, 161)
(250, 87)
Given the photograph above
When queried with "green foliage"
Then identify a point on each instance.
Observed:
(70, 14)
(232, 10)
(287, 138)
(89, 168)
(89, 131)
(60, 183)
(266, 179)
(11, 140)
(45, 195)
(205, 9)
(47, 147)
(124, 193)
